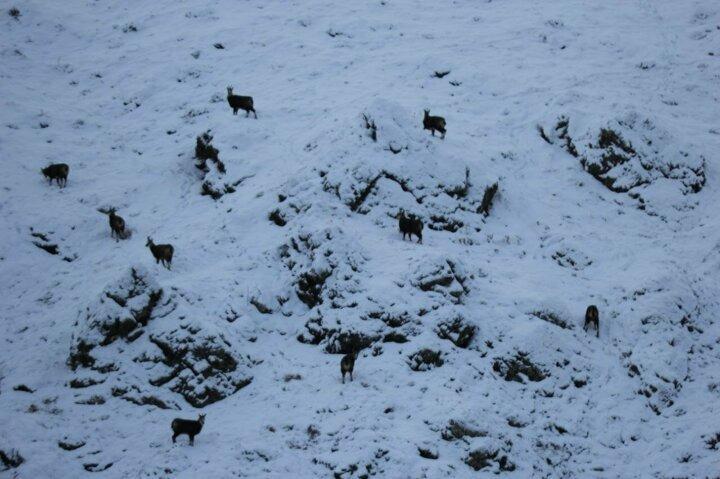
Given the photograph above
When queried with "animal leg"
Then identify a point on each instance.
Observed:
(351, 378)
(343, 378)
(255, 113)
(174, 437)
(192, 440)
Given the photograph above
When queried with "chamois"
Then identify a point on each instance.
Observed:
(161, 252)
(592, 319)
(411, 225)
(434, 123)
(58, 172)
(117, 225)
(347, 364)
(238, 102)
(187, 426)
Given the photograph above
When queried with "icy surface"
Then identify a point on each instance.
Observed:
(473, 359)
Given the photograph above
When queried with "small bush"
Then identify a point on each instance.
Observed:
(514, 369)
(11, 459)
(425, 359)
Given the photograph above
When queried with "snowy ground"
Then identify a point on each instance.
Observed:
(120, 91)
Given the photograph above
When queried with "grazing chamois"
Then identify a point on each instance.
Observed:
(58, 172)
(592, 319)
(410, 225)
(161, 252)
(187, 426)
(238, 102)
(117, 225)
(347, 364)
(434, 123)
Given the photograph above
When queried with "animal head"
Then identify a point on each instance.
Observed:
(401, 213)
(427, 113)
(201, 418)
(149, 241)
(112, 211)
(230, 90)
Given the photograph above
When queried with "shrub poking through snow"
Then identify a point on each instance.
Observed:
(632, 155)
(457, 331)
(425, 360)
(481, 458)
(204, 150)
(135, 322)
(552, 318)
(10, 459)
(457, 430)
(517, 368)
(15, 13)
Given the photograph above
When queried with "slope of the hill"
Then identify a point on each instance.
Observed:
(599, 123)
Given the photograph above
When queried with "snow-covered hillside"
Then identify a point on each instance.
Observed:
(580, 167)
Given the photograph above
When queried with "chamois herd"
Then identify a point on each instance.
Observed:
(409, 225)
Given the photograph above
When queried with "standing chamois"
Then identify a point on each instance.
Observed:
(411, 225)
(58, 172)
(238, 102)
(347, 364)
(592, 319)
(117, 225)
(434, 123)
(161, 252)
(187, 426)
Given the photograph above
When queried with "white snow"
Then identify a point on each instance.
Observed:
(120, 91)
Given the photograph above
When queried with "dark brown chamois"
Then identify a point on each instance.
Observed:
(410, 225)
(592, 319)
(58, 172)
(238, 102)
(117, 225)
(347, 364)
(187, 426)
(161, 252)
(434, 123)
